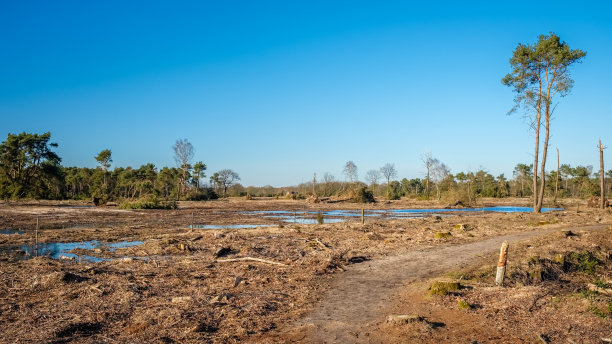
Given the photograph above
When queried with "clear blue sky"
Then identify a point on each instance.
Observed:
(279, 90)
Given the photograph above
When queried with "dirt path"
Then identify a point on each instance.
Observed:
(362, 295)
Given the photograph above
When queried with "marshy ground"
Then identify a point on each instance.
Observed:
(280, 280)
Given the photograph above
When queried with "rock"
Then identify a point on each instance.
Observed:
(127, 259)
(62, 257)
(182, 299)
(402, 319)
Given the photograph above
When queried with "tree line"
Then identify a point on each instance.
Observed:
(30, 169)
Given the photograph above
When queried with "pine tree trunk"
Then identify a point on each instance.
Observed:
(557, 180)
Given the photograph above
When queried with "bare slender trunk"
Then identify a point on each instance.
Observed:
(537, 147)
(602, 181)
(557, 180)
(542, 169)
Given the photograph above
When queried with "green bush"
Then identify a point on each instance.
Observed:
(584, 262)
(150, 202)
(359, 193)
(202, 195)
(394, 190)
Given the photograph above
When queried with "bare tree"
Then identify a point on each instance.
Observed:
(328, 179)
(224, 179)
(183, 153)
(429, 162)
(439, 172)
(350, 170)
(602, 176)
(388, 171)
(372, 176)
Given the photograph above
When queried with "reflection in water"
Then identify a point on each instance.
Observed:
(56, 249)
(11, 231)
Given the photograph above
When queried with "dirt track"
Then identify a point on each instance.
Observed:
(363, 295)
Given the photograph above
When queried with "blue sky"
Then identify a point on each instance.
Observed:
(277, 90)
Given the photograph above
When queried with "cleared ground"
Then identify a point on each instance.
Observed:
(287, 283)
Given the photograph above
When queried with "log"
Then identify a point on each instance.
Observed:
(250, 259)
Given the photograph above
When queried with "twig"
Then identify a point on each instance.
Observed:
(250, 259)
(321, 243)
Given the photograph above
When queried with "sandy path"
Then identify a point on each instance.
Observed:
(362, 295)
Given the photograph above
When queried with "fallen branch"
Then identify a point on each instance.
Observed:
(252, 259)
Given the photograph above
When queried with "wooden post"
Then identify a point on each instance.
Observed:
(501, 264)
(36, 236)
(602, 180)
(362, 216)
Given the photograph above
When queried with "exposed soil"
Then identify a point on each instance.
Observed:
(331, 282)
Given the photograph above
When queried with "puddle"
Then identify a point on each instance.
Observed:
(227, 226)
(335, 216)
(55, 250)
(11, 231)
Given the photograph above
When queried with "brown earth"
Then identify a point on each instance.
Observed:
(335, 282)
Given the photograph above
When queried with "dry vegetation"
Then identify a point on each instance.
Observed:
(191, 285)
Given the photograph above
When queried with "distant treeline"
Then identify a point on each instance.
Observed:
(30, 169)
(466, 187)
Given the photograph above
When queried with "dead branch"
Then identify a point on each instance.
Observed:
(246, 259)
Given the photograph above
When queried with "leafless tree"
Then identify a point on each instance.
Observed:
(224, 179)
(350, 170)
(388, 171)
(372, 176)
(602, 176)
(439, 172)
(428, 162)
(183, 153)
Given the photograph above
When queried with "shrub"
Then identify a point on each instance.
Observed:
(444, 287)
(150, 202)
(359, 193)
(394, 190)
(582, 262)
(202, 195)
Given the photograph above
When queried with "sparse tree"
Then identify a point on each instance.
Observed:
(183, 153)
(539, 72)
(224, 179)
(439, 172)
(198, 172)
(350, 170)
(428, 162)
(372, 177)
(522, 172)
(388, 171)
(104, 159)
